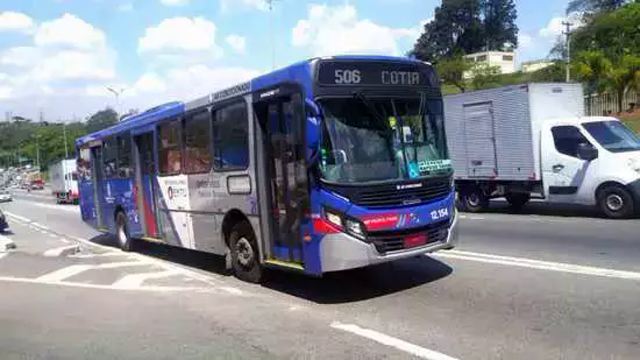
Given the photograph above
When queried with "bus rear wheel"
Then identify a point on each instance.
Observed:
(245, 256)
(122, 232)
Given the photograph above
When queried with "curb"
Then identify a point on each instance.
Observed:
(64, 251)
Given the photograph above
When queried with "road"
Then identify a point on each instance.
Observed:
(547, 283)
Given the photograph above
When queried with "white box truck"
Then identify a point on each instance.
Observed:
(533, 140)
(64, 181)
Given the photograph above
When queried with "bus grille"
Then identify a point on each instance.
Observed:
(389, 241)
(391, 196)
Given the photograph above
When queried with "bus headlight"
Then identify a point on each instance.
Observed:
(354, 228)
(333, 218)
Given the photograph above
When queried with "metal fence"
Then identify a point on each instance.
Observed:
(605, 104)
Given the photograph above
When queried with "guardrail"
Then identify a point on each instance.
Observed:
(607, 104)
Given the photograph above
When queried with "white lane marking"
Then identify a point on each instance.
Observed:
(2, 254)
(387, 340)
(232, 290)
(6, 244)
(539, 264)
(64, 240)
(102, 287)
(40, 226)
(89, 256)
(132, 281)
(69, 271)
(52, 235)
(18, 217)
(56, 207)
(59, 251)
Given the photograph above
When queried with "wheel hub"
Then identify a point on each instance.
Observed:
(245, 252)
(122, 235)
(615, 202)
(473, 199)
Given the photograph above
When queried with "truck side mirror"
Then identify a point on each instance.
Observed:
(587, 152)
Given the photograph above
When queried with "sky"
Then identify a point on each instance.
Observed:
(57, 57)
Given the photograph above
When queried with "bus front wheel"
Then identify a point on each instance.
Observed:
(245, 256)
(122, 232)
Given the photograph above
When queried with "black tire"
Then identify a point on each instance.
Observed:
(518, 200)
(122, 233)
(616, 202)
(245, 254)
(473, 200)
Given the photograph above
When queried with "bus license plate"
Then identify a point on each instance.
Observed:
(415, 241)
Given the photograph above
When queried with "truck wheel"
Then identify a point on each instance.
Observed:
(245, 256)
(616, 202)
(122, 232)
(474, 200)
(518, 200)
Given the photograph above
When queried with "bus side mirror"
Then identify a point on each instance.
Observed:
(587, 152)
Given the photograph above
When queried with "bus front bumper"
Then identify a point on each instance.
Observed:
(342, 251)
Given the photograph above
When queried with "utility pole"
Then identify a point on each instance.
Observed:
(567, 24)
(37, 151)
(271, 34)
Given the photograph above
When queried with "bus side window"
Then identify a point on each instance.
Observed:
(231, 137)
(84, 164)
(109, 156)
(170, 155)
(124, 156)
(197, 143)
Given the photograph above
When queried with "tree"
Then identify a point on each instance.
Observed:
(102, 119)
(592, 68)
(500, 29)
(456, 28)
(624, 76)
(594, 6)
(452, 71)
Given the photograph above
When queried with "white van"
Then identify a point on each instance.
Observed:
(533, 140)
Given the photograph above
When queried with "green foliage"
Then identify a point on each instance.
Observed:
(467, 26)
(484, 76)
(594, 6)
(21, 138)
(452, 70)
(592, 69)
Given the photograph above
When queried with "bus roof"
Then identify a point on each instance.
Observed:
(300, 72)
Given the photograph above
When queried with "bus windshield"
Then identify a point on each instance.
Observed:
(613, 136)
(382, 140)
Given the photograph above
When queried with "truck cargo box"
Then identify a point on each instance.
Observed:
(494, 134)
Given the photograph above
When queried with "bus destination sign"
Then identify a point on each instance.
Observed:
(344, 73)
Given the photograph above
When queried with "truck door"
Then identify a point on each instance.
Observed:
(281, 120)
(563, 171)
(480, 136)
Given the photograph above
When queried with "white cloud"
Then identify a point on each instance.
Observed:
(237, 43)
(227, 5)
(174, 2)
(15, 21)
(178, 35)
(555, 28)
(69, 31)
(525, 41)
(330, 30)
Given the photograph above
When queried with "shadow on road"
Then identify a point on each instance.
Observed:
(332, 288)
(360, 284)
(546, 209)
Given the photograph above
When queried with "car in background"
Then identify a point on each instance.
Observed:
(5, 196)
(37, 185)
(4, 225)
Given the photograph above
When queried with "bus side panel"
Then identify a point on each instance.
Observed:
(88, 204)
(174, 210)
(118, 193)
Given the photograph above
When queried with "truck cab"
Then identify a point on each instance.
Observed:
(591, 161)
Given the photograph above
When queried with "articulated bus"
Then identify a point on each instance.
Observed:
(329, 164)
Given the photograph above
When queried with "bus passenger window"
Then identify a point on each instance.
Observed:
(231, 138)
(124, 157)
(109, 156)
(84, 164)
(197, 140)
(170, 156)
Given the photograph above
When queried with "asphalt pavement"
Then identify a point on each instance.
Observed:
(545, 283)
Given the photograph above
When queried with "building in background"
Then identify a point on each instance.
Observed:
(535, 65)
(504, 60)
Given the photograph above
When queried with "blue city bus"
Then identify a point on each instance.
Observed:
(328, 164)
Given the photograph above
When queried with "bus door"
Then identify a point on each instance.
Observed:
(287, 194)
(98, 195)
(145, 189)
